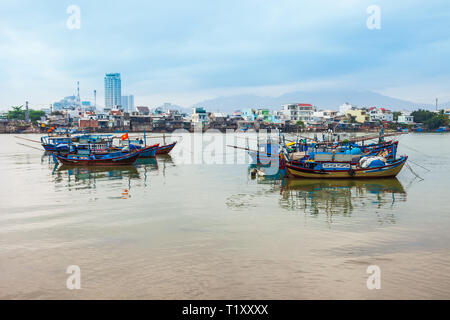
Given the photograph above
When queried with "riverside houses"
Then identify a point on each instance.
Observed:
(294, 112)
(168, 118)
(405, 118)
(380, 114)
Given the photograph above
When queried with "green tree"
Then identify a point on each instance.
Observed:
(16, 113)
(300, 124)
(420, 116)
(396, 114)
(438, 120)
(36, 115)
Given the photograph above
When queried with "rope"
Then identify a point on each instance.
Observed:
(419, 165)
(236, 147)
(27, 139)
(409, 167)
(29, 146)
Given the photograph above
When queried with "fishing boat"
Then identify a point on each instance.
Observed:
(324, 167)
(52, 144)
(95, 143)
(137, 145)
(141, 142)
(108, 159)
(269, 153)
(149, 151)
(166, 148)
(387, 147)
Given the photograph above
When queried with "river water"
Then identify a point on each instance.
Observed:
(167, 229)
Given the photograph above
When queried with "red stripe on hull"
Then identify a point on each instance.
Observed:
(166, 149)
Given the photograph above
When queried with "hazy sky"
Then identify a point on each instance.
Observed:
(187, 51)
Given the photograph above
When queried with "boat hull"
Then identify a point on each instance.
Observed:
(126, 159)
(387, 171)
(49, 147)
(149, 152)
(165, 149)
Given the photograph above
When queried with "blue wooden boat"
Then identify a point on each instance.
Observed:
(149, 151)
(59, 144)
(166, 148)
(130, 145)
(109, 159)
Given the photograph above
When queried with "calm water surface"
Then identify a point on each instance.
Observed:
(166, 230)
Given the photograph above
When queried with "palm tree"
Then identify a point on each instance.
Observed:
(16, 113)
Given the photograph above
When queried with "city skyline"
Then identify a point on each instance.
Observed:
(248, 48)
(363, 99)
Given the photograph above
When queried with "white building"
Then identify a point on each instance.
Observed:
(299, 112)
(324, 115)
(380, 114)
(346, 107)
(405, 117)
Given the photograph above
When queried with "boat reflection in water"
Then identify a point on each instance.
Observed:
(340, 196)
(87, 177)
(91, 174)
(146, 163)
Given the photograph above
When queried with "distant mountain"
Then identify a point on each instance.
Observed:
(325, 99)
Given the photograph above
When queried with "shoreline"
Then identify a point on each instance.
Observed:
(174, 132)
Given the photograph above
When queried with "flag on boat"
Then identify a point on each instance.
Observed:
(124, 136)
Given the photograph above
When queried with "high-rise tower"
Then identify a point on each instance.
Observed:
(113, 90)
(78, 94)
(128, 103)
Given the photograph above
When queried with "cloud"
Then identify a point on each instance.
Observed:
(179, 51)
